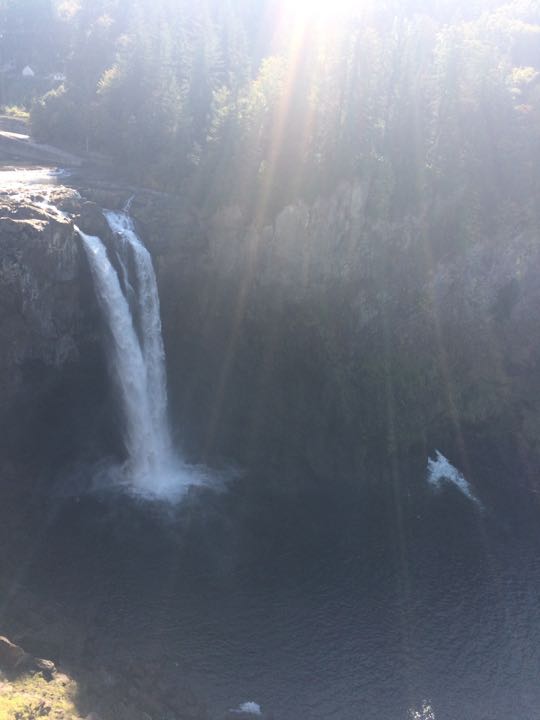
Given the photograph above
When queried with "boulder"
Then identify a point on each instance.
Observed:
(15, 660)
(12, 657)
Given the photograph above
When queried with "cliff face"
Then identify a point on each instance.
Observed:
(329, 335)
(39, 295)
(322, 339)
(49, 325)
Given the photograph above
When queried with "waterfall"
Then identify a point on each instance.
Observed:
(150, 323)
(137, 359)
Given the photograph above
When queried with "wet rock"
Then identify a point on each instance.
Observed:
(108, 196)
(92, 221)
(14, 660)
(12, 657)
(46, 667)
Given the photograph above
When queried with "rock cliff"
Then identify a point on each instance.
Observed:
(49, 323)
(322, 339)
(330, 335)
(40, 303)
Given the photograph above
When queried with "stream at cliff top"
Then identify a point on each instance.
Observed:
(313, 598)
(23, 176)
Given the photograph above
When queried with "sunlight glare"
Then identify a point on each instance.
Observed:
(322, 9)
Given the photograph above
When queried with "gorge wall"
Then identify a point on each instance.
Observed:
(322, 340)
(53, 388)
(328, 337)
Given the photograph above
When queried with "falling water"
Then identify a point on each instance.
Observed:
(150, 323)
(137, 360)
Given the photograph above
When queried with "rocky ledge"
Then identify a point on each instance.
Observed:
(32, 688)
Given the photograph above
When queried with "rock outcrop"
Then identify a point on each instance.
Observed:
(49, 321)
(39, 294)
(12, 657)
(15, 661)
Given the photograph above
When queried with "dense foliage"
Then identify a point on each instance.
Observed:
(260, 102)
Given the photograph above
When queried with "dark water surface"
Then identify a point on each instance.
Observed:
(320, 600)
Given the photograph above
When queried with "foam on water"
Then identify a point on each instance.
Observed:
(248, 708)
(440, 471)
(424, 713)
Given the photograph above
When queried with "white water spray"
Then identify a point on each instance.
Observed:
(137, 360)
(440, 471)
(248, 708)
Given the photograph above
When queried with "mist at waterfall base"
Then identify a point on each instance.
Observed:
(130, 303)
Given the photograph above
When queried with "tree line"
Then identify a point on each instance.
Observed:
(257, 103)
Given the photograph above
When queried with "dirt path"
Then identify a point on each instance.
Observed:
(16, 146)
